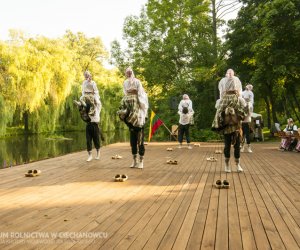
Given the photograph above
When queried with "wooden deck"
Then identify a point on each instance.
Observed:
(76, 204)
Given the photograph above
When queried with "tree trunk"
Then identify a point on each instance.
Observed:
(272, 102)
(285, 107)
(293, 109)
(268, 112)
(296, 100)
(214, 38)
(296, 103)
(26, 118)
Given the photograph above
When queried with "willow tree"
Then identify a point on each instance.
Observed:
(7, 100)
(41, 73)
(90, 54)
(61, 80)
(24, 80)
(40, 78)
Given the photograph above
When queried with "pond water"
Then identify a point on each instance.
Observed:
(28, 148)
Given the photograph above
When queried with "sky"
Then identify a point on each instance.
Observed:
(51, 18)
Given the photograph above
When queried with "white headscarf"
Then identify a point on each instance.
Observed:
(132, 83)
(185, 97)
(230, 82)
(131, 78)
(88, 74)
(249, 87)
(185, 102)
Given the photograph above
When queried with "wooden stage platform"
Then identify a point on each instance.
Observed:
(76, 204)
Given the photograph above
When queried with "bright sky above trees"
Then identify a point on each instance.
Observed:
(51, 18)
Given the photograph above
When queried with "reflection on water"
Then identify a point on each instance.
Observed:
(24, 149)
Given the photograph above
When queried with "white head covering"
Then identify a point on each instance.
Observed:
(229, 71)
(132, 74)
(185, 97)
(87, 73)
(131, 82)
(249, 87)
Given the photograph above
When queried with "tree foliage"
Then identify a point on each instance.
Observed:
(173, 48)
(263, 47)
(40, 78)
(170, 47)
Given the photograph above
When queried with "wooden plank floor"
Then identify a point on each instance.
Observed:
(76, 204)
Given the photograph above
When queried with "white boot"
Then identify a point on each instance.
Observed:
(134, 163)
(243, 148)
(227, 167)
(98, 154)
(90, 156)
(249, 149)
(238, 166)
(189, 146)
(180, 145)
(141, 163)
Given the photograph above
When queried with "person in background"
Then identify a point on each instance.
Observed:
(134, 111)
(290, 128)
(248, 94)
(184, 126)
(185, 102)
(297, 148)
(289, 142)
(249, 98)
